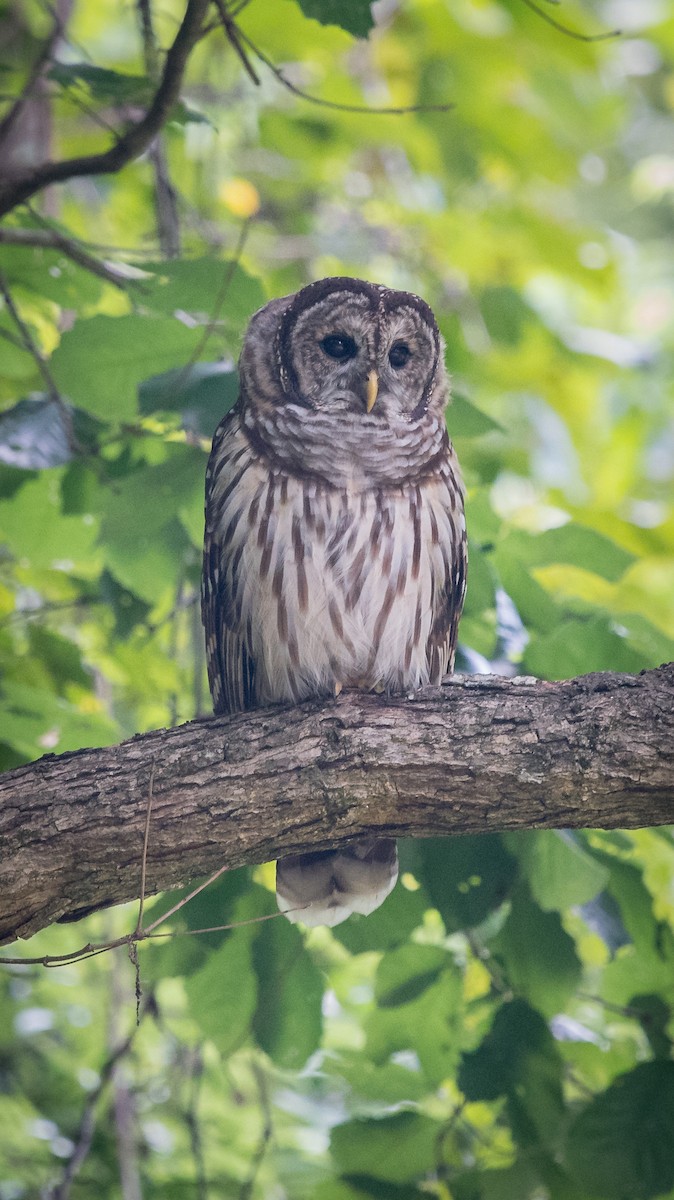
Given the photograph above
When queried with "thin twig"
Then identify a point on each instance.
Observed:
(217, 308)
(232, 34)
(14, 341)
(50, 239)
(221, 928)
(137, 137)
(176, 907)
(92, 949)
(572, 33)
(29, 343)
(31, 346)
(369, 110)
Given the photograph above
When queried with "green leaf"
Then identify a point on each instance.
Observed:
(34, 720)
(389, 925)
(148, 556)
(354, 16)
(577, 647)
(202, 392)
(431, 1026)
(114, 87)
(654, 1017)
(559, 871)
(288, 1021)
(538, 954)
(464, 419)
(34, 528)
(209, 287)
(406, 972)
(621, 1144)
(222, 994)
(60, 657)
(498, 1064)
(47, 274)
(215, 906)
(504, 314)
(571, 543)
(466, 877)
(482, 592)
(100, 362)
(373, 1086)
(536, 608)
(396, 1149)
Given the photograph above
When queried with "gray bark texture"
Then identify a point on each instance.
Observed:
(480, 753)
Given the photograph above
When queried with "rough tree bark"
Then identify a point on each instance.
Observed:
(480, 753)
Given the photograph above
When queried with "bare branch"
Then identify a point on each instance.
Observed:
(166, 199)
(572, 33)
(368, 109)
(232, 35)
(31, 346)
(137, 138)
(51, 239)
(479, 754)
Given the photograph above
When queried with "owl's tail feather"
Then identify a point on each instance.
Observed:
(325, 887)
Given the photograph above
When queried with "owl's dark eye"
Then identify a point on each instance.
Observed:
(399, 355)
(339, 346)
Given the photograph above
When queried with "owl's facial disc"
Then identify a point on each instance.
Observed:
(353, 348)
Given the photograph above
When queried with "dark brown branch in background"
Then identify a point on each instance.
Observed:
(479, 754)
(15, 190)
(232, 35)
(165, 195)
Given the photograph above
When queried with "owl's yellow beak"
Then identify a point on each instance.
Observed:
(372, 389)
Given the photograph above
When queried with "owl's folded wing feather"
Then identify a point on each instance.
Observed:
(449, 596)
(231, 666)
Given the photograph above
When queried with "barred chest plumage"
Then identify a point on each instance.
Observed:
(331, 585)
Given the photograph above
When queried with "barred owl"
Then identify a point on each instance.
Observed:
(335, 546)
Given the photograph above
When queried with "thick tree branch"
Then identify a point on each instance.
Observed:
(18, 188)
(480, 753)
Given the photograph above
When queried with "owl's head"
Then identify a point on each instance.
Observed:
(347, 348)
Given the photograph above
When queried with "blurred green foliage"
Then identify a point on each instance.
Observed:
(501, 1029)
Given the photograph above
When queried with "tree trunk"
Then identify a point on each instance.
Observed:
(480, 753)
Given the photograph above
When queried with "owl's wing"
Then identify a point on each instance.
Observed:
(450, 590)
(231, 667)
